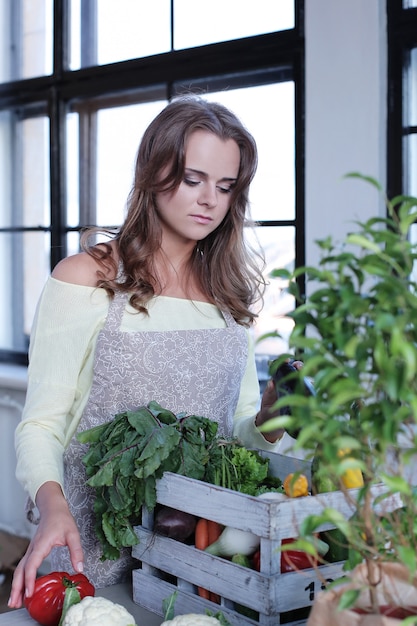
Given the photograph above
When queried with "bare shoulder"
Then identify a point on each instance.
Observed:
(78, 269)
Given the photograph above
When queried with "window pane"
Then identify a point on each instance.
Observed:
(234, 19)
(24, 201)
(278, 246)
(273, 189)
(36, 38)
(73, 170)
(6, 134)
(410, 174)
(6, 286)
(119, 131)
(410, 102)
(409, 4)
(28, 254)
(24, 171)
(410, 181)
(35, 172)
(5, 41)
(73, 243)
(25, 39)
(125, 29)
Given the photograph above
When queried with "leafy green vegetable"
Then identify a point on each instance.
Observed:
(168, 608)
(220, 616)
(270, 484)
(127, 455)
(235, 467)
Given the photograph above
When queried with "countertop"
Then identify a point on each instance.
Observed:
(117, 593)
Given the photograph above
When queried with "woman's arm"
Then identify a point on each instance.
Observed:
(56, 528)
(67, 322)
(253, 410)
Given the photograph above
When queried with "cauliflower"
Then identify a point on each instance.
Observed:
(96, 611)
(192, 619)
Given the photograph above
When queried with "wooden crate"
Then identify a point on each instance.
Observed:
(168, 565)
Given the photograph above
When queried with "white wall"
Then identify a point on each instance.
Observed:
(12, 496)
(346, 114)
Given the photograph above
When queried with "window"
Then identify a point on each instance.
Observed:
(402, 67)
(402, 122)
(79, 82)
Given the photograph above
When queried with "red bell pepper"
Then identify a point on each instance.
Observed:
(46, 603)
(293, 560)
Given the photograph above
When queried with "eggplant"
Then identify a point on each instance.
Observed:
(174, 524)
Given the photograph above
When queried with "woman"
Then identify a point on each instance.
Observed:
(160, 312)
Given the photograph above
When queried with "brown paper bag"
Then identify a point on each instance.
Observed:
(395, 589)
(12, 548)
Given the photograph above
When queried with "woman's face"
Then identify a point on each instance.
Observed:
(202, 200)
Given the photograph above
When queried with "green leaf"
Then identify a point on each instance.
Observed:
(127, 461)
(119, 493)
(397, 484)
(193, 461)
(127, 536)
(280, 273)
(158, 448)
(103, 477)
(142, 420)
(368, 179)
(409, 621)
(348, 599)
(71, 597)
(164, 415)
(168, 606)
(219, 616)
(109, 530)
(92, 435)
(150, 492)
(109, 552)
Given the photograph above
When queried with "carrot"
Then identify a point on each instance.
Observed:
(201, 534)
(206, 533)
(204, 593)
(201, 543)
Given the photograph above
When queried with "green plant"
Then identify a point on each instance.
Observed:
(356, 332)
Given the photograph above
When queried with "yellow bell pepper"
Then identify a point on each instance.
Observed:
(296, 486)
(352, 478)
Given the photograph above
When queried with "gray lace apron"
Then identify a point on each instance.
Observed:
(197, 371)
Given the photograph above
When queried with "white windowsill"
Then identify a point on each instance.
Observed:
(13, 376)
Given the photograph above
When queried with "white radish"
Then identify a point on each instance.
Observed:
(234, 541)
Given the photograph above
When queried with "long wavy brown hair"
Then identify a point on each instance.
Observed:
(224, 265)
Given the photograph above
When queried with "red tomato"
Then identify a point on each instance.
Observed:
(45, 605)
(293, 560)
(396, 612)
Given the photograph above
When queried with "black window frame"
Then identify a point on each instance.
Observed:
(402, 37)
(246, 61)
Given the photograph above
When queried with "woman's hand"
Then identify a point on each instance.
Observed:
(266, 411)
(56, 528)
